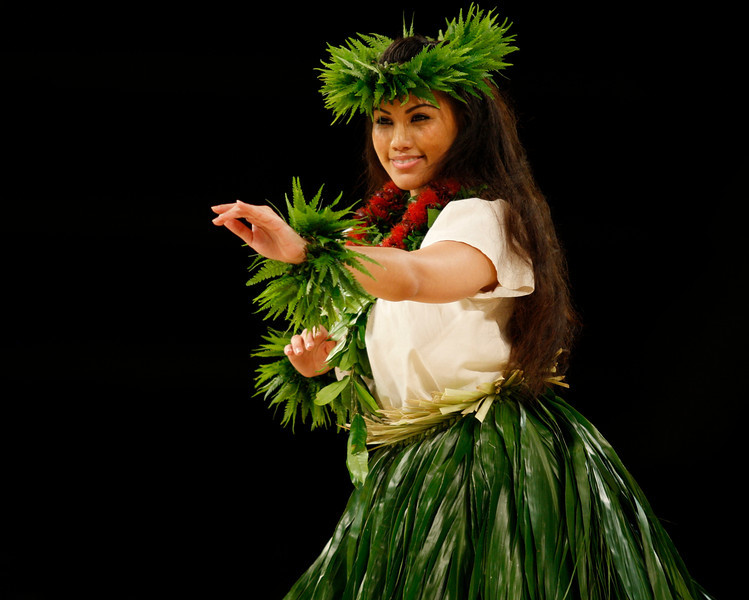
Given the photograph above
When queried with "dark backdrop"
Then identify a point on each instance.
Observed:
(136, 463)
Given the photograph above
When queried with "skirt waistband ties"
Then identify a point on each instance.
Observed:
(416, 418)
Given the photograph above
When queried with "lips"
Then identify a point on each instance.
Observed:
(405, 162)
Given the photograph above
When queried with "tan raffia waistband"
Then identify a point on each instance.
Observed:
(418, 417)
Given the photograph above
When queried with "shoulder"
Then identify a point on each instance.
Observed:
(474, 221)
(471, 214)
(476, 207)
(481, 224)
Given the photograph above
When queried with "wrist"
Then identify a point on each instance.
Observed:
(300, 254)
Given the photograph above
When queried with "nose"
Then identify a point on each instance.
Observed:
(401, 139)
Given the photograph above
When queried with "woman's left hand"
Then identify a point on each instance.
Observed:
(269, 235)
(309, 351)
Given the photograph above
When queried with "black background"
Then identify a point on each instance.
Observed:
(135, 461)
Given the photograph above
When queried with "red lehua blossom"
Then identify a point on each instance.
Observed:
(452, 187)
(379, 208)
(416, 213)
(391, 188)
(397, 235)
(428, 197)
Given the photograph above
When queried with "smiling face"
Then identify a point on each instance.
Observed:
(410, 139)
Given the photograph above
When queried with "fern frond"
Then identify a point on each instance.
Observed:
(268, 270)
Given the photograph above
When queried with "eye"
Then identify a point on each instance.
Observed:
(420, 117)
(381, 120)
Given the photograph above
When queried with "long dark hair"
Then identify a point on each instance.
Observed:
(487, 154)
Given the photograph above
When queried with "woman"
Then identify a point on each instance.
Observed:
(485, 484)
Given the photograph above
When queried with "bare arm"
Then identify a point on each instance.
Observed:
(443, 272)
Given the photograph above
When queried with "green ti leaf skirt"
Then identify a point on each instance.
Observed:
(533, 503)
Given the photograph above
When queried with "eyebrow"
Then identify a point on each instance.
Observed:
(413, 108)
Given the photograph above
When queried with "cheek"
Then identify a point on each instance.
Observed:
(379, 142)
(381, 148)
(436, 147)
(442, 142)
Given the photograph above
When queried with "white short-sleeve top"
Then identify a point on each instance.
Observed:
(416, 349)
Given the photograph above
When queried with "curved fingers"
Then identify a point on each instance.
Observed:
(263, 216)
(240, 229)
(308, 351)
(307, 341)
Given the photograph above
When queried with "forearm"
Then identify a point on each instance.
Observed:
(391, 276)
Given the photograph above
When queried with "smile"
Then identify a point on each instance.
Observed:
(406, 162)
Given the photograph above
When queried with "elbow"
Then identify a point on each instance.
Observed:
(403, 287)
(408, 289)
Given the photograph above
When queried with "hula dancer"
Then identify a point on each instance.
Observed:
(433, 323)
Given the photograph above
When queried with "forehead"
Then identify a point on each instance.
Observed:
(413, 103)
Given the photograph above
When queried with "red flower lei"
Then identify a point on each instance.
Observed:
(389, 219)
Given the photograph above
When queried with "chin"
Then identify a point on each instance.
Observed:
(406, 182)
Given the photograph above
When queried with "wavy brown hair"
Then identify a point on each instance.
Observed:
(487, 154)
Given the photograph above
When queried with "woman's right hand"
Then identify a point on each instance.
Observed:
(268, 234)
(308, 352)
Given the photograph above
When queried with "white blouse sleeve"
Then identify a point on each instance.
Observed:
(480, 224)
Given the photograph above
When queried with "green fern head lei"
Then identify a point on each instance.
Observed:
(463, 58)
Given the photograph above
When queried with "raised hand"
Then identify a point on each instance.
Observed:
(268, 234)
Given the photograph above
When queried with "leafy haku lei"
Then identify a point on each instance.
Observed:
(323, 291)
(462, 59)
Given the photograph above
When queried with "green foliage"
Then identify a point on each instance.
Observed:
(321, 291)
(467, 54)
(530, 504)
(281, 385)
(321, 287)
(357, 456)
